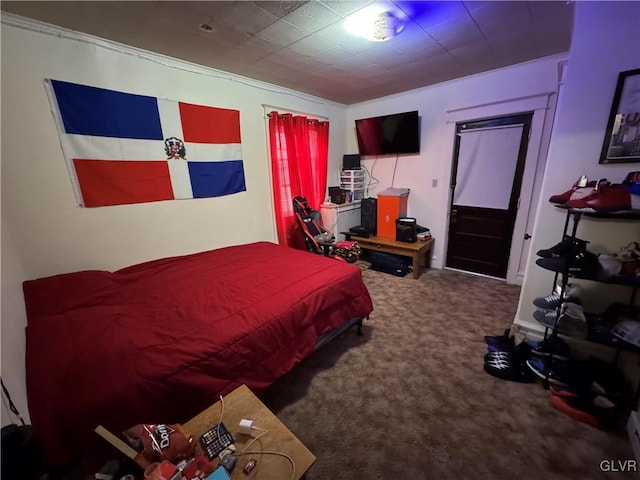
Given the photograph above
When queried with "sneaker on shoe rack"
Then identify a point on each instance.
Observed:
(567, 246)
(606, 199)
(582, 186)
(570, 311)
(564, 391)
(574, 374)
(551, 301)
(574, 391)
(584, 194)
(594, 410)
(555, 377)
(571, 322)
(547, 318)
(555, 347)
(582, 264)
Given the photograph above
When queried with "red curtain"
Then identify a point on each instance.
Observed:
(299, 154)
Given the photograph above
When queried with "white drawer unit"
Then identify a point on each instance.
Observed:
(354, 184)
(340, 218)
(352, 180)
(352, 175)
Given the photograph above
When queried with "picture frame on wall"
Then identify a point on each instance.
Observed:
(622, 138)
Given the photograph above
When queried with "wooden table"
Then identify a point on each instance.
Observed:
(243, 404)
(418, 251)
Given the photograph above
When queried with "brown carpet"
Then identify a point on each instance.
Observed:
(410, 400)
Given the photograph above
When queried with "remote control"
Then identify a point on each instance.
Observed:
(212, 443)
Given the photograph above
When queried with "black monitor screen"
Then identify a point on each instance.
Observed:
(389, 134)
(351, 161)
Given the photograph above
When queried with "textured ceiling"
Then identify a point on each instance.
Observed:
(303, 44)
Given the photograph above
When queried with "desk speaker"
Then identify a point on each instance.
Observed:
(369, 214)
(406, 230)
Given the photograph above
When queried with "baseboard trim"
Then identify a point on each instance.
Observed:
(533, 331)
(476, 274)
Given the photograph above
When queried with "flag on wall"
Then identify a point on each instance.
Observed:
(124, 148)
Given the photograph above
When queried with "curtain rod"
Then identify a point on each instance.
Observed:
(289, 110)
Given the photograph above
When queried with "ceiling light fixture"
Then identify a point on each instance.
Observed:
(374, 25)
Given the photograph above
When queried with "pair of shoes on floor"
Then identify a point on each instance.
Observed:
(571, 320)
(586, 407)
(507, 364)
(572, 292)
(601, 196)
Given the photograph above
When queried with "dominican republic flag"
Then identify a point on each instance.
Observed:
(123, 148)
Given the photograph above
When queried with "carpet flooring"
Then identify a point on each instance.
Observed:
(409, 398)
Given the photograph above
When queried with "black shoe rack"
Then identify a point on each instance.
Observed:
(573, 218)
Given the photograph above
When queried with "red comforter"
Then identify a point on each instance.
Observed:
(159, 341)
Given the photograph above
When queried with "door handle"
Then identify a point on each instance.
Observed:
(454, 215)
(527, 236)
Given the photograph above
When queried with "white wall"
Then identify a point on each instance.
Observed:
(45, 233)
(606, 41)
(487, 92)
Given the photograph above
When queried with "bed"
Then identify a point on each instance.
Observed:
(159, 341)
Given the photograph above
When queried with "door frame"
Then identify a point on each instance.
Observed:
(522, 120)
(539, 105)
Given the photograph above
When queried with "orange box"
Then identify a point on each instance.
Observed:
(392, 204)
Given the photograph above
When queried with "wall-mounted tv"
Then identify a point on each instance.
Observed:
(389, 134)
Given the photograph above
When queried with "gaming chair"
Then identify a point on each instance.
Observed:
(317, 238)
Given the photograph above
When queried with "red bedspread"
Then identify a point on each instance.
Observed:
(159, 341)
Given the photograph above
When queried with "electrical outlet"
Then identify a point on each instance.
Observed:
(434, 183)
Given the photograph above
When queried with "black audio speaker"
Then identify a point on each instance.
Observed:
(406, 230)
(369, 214)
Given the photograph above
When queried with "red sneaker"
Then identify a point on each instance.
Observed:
(606, 198)
(580, 189)
(594, 410)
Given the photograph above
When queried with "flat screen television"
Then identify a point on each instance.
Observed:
(389, 134)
